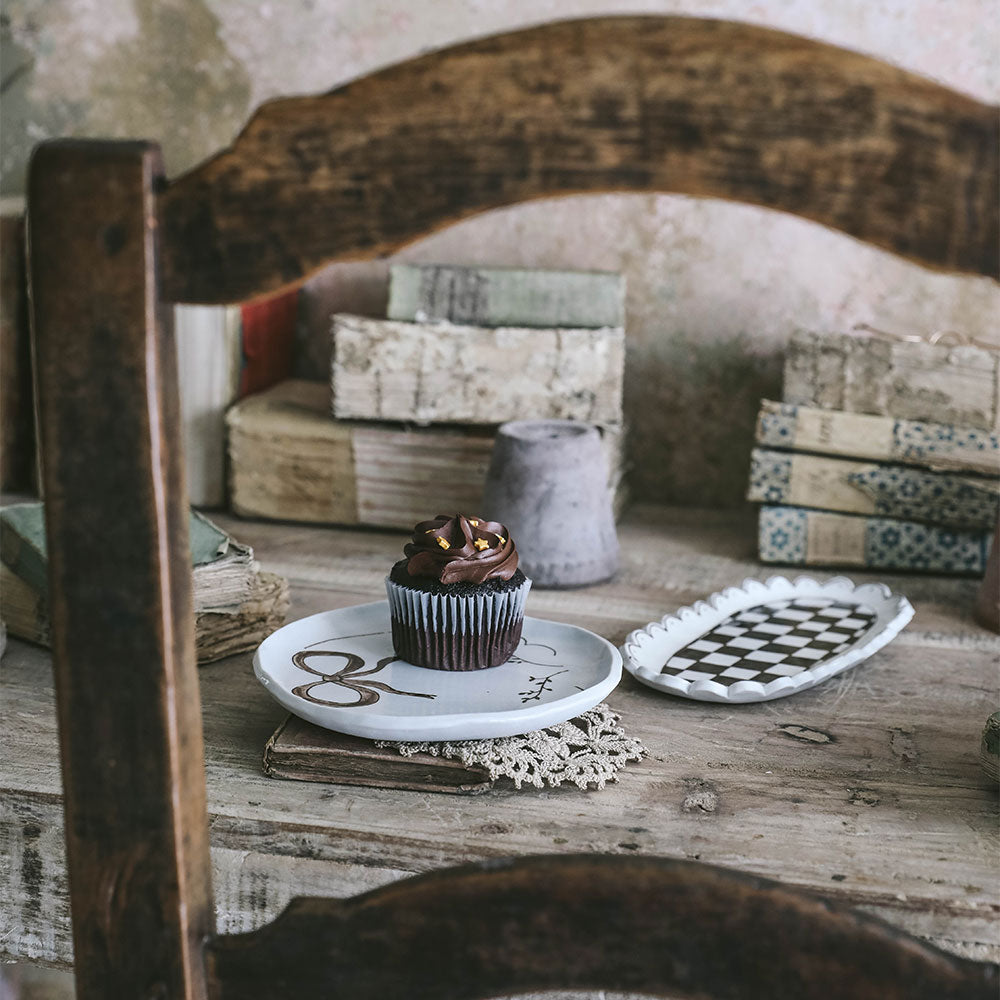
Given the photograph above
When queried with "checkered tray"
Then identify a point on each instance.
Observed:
(765, 640)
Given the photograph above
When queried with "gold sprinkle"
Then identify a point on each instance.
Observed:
(481, 543)
(503, 541)
(443, 542)
(475, 524)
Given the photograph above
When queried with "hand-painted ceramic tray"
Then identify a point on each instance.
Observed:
(338, 670)
(765, 640)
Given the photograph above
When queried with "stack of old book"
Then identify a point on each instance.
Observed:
(236, 604)
(406, 425)
(884, 453)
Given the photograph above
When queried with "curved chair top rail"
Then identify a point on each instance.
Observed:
(699, 107)
(656, 926)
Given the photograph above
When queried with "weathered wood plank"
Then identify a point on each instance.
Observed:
(866, 789)
(445, 373)
(122, 619)
(670, 557)
(701, 107)
(250, 889)
(17, 425)
(664, 927)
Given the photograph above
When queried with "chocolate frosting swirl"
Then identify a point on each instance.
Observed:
(461, 549)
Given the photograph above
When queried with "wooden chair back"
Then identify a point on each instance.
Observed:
(706, 108)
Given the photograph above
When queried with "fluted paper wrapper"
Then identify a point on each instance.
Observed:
(448, 632)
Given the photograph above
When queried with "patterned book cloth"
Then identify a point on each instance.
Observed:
(860, 435)
(799, 537)
(856, 487)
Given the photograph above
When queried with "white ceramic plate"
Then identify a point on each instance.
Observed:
(337, 669)
(767, 640)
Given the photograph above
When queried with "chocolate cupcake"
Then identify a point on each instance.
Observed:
(457, 599)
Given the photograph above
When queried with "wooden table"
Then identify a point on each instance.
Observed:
(867, 788)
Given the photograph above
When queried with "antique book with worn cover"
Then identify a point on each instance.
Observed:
(505, 296)
(224, 570)
(887, 439)
(290, 460)
(217, 634)
(209, 349)
(236, 606)
(798, 537)
(947, 384)
(443, 373)
(303, 752)
(851, 486)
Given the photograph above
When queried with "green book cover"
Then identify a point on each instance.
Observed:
(506, 296)
(23, 549)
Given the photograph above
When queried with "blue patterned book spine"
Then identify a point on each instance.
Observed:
(848, 486)
(799, 537)
(860, 435)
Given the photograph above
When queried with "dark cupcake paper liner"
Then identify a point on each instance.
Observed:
(446, 632)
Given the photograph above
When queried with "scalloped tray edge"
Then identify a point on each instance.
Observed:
(721, 604)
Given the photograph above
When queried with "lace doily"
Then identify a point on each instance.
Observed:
(587, 750)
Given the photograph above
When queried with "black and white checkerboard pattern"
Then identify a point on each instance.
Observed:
(779, 639)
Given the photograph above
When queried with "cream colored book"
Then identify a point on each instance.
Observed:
(290, 460)
(443, 373)
(850, 486)
(946, 384)
(861, 435)
(217, 634)
(209, 343)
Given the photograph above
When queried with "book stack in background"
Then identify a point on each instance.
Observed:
(224, 353)
(884, 454)
(236, 604)
(406, 426)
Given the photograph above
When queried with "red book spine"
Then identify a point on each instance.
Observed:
(268, 341)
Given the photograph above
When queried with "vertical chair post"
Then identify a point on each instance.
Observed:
(119, 573)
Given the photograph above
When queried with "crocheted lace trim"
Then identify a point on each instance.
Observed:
(588, 750)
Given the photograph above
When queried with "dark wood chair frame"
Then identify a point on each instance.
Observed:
(707, 108)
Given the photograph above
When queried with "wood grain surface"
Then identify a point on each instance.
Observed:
(866, 789)
(656, 926)
(701, 107)
(17, 431)
(121, 596)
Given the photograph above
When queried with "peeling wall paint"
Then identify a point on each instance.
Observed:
(714, 289)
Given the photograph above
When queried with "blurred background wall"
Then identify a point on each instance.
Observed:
(714, 289)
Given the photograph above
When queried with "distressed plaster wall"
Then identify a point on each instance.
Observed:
(714, 288)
